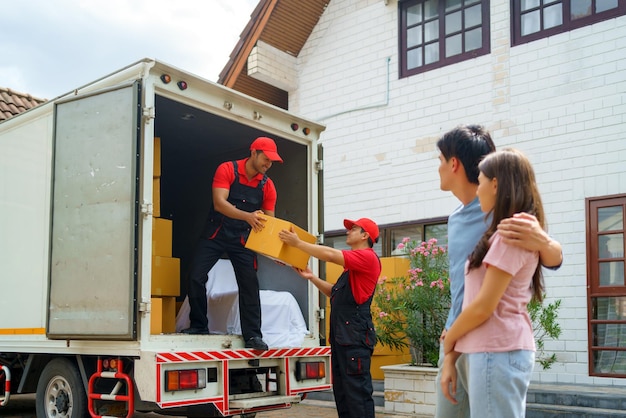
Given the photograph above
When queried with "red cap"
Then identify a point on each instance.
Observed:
(367, 224)
(268, 146)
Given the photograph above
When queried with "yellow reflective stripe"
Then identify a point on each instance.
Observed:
(21, 331)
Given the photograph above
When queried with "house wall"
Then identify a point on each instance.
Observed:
(562, 100)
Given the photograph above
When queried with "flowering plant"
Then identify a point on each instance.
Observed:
(411, 311)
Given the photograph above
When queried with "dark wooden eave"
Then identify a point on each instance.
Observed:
(283, 24)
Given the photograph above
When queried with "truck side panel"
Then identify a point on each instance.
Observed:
(25, 165)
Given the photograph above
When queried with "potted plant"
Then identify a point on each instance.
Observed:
(412, 310)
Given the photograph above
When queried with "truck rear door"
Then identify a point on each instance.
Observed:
(93, 262)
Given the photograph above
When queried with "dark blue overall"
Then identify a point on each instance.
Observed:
(226, 235)
(352, 340)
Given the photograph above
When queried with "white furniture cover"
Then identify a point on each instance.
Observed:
(282, 323)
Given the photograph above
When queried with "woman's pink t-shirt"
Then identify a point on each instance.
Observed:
(509, 327)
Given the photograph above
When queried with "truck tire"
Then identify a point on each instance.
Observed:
(60, 391)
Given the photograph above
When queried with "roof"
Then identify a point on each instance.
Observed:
(13, 102)
(283, 24)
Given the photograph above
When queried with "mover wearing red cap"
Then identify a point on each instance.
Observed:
(242, 195)
(352, 336)
(268, 147)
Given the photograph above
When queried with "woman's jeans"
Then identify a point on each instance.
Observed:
(489, 385)
(498, 383)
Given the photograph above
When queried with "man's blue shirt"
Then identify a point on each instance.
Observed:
(465, 227)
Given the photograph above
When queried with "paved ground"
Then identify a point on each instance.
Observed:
(23, 406)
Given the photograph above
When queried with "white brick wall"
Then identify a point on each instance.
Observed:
(562, 100)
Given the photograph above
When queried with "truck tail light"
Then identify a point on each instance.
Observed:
(310, 370)
(185, 379)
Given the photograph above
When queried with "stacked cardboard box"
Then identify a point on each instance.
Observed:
(165, 268)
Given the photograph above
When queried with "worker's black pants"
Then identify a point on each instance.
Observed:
(206, 254)
(352, 382)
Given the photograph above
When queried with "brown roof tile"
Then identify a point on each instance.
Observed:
(13, 102)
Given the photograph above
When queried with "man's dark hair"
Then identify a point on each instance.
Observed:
(469, 144)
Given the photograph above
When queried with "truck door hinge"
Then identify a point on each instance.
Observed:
(146, 208)
(319, 165)
(147, 113)
(321, 314)
(144, 306)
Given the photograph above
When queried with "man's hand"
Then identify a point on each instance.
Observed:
(448, 378)
(289, 237)
(257, 220)
(306, 273)
(523, 230)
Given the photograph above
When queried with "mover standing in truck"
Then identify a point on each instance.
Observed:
(352, 335)
(242, 195)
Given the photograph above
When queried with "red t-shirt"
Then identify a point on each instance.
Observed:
(225, 176)
(364, 271)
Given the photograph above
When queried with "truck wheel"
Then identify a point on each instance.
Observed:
(60, 391)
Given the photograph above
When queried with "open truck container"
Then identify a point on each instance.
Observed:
(81, 187)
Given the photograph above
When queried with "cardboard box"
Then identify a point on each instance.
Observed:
(266, 242)
(165, 276)
(156, 167)
(163, 315)
(156, 197)
(161, 237)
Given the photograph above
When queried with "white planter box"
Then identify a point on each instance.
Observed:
(410, 389)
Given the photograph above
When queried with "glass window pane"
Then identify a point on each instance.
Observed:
(580, 8)
(431, 31)
(430, 9)
(413, 232)
(414, 36)
(612, 273)
(604, 5)
(529, 4)
(439, 231)
(473, 39)
(606, 361)
(454, 45)
(470, 2)
(453, 23)
(414, 58)
(530, 23)
(452, 4)
(431, 53)
(610, 219)
(553, 16)
(611, 246)
(473, 16)
(609, 308)
(414, 15)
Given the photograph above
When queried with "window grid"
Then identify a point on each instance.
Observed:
(606, 218)
(536, 19)
(436, 33)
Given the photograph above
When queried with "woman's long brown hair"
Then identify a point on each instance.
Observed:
(516, 192)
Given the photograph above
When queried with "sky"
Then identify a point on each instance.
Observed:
(51, 47)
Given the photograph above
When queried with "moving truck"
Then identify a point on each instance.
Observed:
(103, 194)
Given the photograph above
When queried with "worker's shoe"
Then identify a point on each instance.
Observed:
(256, 343)
(195, 331)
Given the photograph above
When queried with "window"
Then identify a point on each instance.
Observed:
(606, 285)
(392, 235)
(435, 33)
(535, 19)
